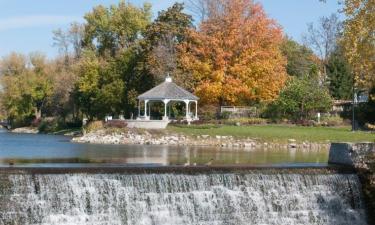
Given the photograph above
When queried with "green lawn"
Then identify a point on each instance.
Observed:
(280, 133)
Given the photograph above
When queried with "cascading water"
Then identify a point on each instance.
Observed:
(200, 199)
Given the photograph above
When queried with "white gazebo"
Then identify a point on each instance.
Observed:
(168, 92)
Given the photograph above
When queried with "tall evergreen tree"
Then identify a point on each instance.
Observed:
(339, 76)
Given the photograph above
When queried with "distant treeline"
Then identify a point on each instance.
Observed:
(234, 54)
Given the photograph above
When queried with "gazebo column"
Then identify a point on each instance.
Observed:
(196, 110)
(139, 108)
(166, 101)
(146, 117)
(187, 110)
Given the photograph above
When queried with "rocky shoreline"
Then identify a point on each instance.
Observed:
(25, 130)
(142, 137)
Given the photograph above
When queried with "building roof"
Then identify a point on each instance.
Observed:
(167, 90)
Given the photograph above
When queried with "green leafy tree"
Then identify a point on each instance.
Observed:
(87, 86)
(108, 77)
(300, 99)
(160, 45)
(25, 89)
(110, 30)
(301, 59)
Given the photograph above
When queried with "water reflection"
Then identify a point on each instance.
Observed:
(39, 150)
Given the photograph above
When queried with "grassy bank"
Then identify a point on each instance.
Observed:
(280, 133)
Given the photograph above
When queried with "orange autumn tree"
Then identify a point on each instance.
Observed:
(234, 56)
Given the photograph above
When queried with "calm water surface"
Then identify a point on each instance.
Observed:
(57, 151)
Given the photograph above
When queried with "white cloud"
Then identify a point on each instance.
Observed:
(35, 21)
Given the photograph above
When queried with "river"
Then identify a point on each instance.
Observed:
(158, 185)
(57, 151)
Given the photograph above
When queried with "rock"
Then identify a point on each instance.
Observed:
(247, 145)
(25, 130)
(205, 136)
(291, 140)
(292, 145)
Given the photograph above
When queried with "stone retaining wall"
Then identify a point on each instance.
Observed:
(351, 154)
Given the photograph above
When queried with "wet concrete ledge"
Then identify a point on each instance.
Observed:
(180, 170)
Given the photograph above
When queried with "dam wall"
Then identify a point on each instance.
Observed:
(350, 154)
(273, 197)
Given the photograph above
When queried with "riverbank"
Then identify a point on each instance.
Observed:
(33, 130)
(268, 136)
(171, 138)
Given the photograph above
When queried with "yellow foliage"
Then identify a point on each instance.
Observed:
(359, 40)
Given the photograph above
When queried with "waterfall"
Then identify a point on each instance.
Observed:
(174, 199)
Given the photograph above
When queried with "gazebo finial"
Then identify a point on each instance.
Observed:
(168, 78)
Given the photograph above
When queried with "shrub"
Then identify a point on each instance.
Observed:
(370, 127)
(299, 100)
(36, 122)
(94, 126)
(225, 115)
(49, 125)
(246, 121)
(332, 121)
(207, 112)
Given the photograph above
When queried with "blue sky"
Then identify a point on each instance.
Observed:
(27, 26)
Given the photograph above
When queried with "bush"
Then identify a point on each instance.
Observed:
(331, 121)
(36, 122)
(94, 126)
(207, 113)
(246, 121)
(370, 127)
(300, 100)
(225, 115)
(49, 125)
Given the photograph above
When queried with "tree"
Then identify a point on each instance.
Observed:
(87, 86)
(301, 99)
(234, 56)
(301, 59)
(359, 40)
(64, 77)
(200, 8)
(25, 89)
(323, 39)
(339, 75)
(160, 45)
(111, 30)
(39, 82)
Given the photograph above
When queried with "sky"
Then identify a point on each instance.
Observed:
(26, 26)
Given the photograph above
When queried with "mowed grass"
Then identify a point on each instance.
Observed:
(280, 133)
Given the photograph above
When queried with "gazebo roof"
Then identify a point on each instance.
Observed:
(167, 90)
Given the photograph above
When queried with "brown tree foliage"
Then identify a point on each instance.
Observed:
(234, 56)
